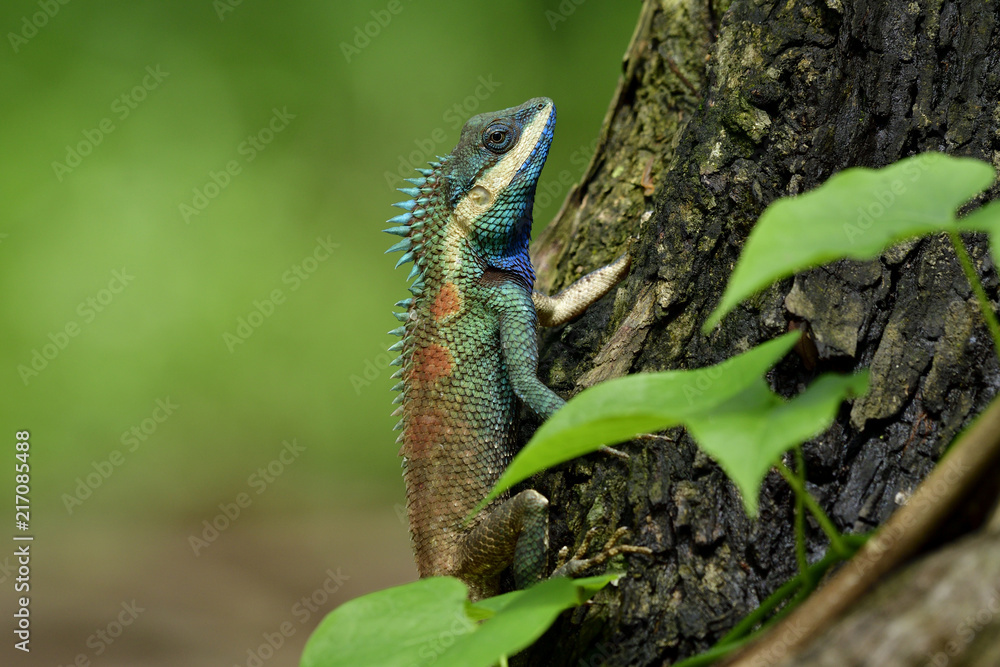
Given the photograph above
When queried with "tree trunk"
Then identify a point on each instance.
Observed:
(724, 108)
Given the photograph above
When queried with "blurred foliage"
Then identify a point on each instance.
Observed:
(144, 105)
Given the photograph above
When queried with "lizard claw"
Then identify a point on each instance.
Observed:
(611, 549)
(581, 552)
(562, 557)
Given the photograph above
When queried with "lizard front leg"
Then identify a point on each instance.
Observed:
(572, 301)
(516, 532)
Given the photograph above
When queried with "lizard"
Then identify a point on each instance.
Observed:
(469, 352)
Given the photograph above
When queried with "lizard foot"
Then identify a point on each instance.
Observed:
(578, 563)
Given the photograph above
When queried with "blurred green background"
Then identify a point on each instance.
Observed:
(167, 170)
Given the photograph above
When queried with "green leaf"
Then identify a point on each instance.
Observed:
(622, 408)
(985, 219)
(728, 408)
(430, 622)
(588, 586)
(747, 433)
(404, 626)
(856, 214)
(514, 627)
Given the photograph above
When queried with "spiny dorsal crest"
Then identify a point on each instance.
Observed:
(412, 226)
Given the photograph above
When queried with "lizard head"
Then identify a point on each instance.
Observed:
(491, 177)
(501, 151)
(481, 194)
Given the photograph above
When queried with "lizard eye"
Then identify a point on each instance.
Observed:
(498, 137)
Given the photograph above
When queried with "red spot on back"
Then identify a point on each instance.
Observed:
(423, 431)
(430, 364)
(426, 422)
(447, 301)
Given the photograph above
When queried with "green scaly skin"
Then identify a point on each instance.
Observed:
(469, 350)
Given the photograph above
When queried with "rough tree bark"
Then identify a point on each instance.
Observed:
(723, 108)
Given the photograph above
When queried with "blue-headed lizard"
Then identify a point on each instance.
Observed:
(468, 350)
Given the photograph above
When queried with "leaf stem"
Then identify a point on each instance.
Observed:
(800, 513)
(977, 288)
(836, 540)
